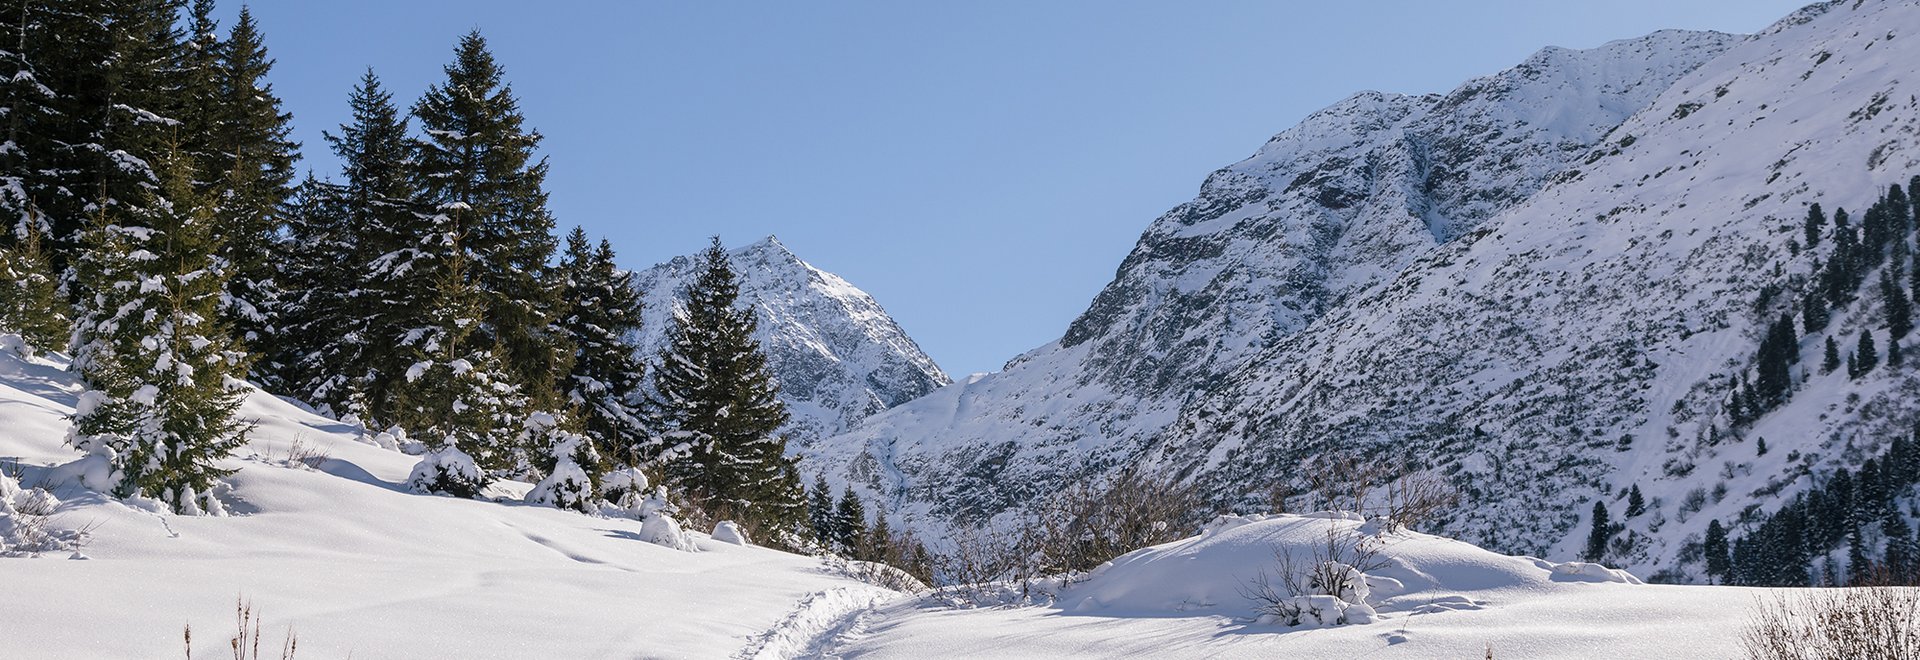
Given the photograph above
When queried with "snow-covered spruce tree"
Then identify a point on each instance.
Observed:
(30, 301)
(164, 379)
(251, 168)
(820, 511)
(454, 389)
(475, 165)
(849, 522)
(356, 292)
(607, 379)
(720, 409)
(1718, 564)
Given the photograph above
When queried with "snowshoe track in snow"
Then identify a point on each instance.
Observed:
(816, 624)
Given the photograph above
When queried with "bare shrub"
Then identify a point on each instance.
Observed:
(984, 555)
(1094, 521)
(245, 643)
(304, 454)
(1333, 567)
(1347, 482)
(1835, 624)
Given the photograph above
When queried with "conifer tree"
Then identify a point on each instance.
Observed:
(878, 545)
(1893, 352)
(475, 166)
(720, 409)
(163, 377)
(1831, 360)
(1760, 448)
(1899, 311)
(1718, 563)
(453, 390)
(1813, 310)
(30, 302)
(1815, 220)
(567, 460)
(1901, 557)
(606, 381)
(347, 323)
(820, 511)
(1602, 530)
(251, 165)
(1865, 356)
(849, 522)
(1636, 504)
(1859, 564)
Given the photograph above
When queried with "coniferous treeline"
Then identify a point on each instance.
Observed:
(155, 229)
(1793, 545)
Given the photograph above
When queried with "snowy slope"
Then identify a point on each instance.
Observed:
(1323, 212)
(1430, 598)
(837, 355)
(336, 548)
(331, 547)
(1583, 341)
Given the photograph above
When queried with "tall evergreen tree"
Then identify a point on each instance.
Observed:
(347, 324)
(1901, 557)
(1831, 360)
(1899, 311)
(250, 164)
(607, 380)
(163, 377)
(719, 406)
(1816, 220)
(1600, 533)
(849, 522)
(1636, 504)
(820, 511)
(454, 388)
(475, 166)
(1718, 562)
(1865, 356)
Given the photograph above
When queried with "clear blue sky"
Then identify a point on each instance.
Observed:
(979, 167)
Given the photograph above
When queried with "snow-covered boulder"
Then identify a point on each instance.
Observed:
(729, 532)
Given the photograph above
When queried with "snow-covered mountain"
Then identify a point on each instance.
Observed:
(1539, 284)
(1346, 199)
(837, 355)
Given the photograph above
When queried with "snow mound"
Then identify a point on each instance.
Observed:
(1346, 570)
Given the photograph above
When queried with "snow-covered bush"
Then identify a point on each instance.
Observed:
(447, 471)
(26, 522)
(625, 494)
(728, 532)
(1325, 584)
(567, 485)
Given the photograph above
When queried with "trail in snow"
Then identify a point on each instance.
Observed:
(818, 624)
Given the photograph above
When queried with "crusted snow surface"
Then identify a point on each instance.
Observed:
(837, 356)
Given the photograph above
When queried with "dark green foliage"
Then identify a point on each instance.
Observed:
(1601, 531)
(1636, 504)
(475, 168)
(1718, 561)
(820, 512)
(1760, 447)
(1859, 564)
(1816, 220)
(1813, 310)
(1865, 356)
(849, 522)
(1778, 549)
(249, 166)
(30, 302)
(1831, 360)
(1893, 352)
(161, 371)
(719, 407)
(606, 380)
(342, 349)
(453, 390)
(1898, 309)
(1901, 557)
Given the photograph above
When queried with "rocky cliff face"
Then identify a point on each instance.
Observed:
(837, 355)
(1541, 285)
